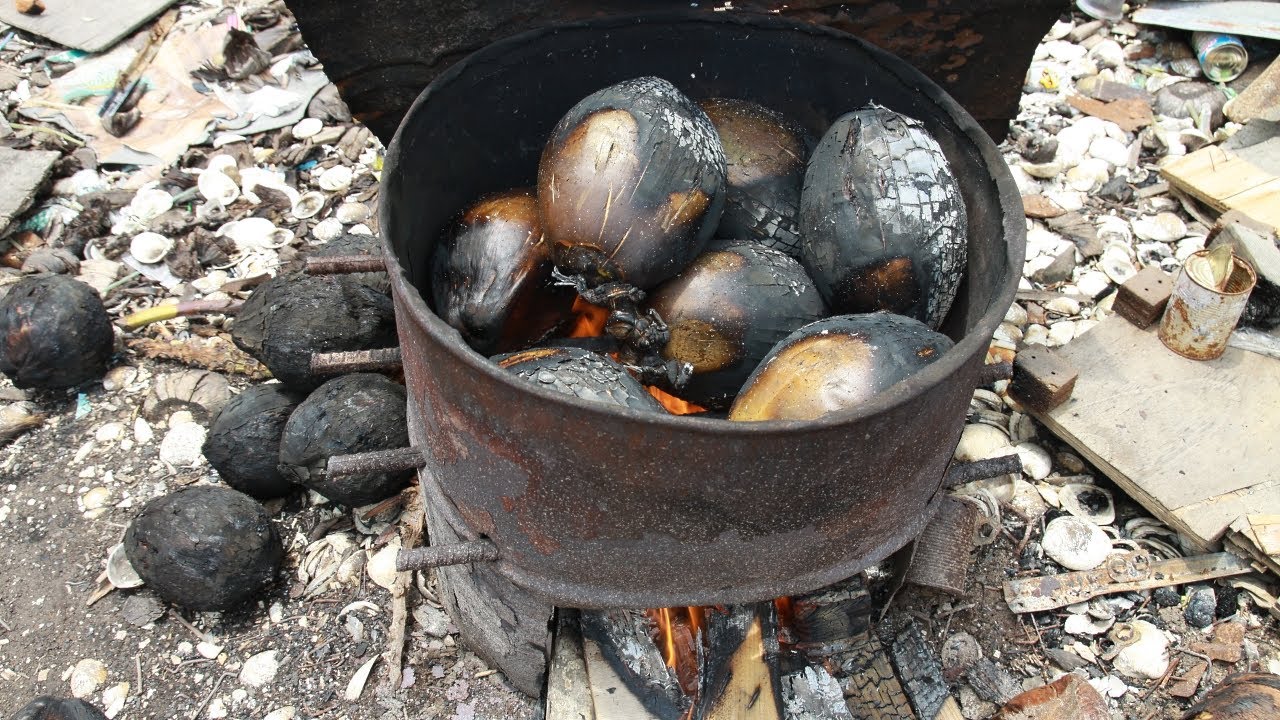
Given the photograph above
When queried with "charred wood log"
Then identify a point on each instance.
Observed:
(812, 694)
(741, 679)
(623, 639)
(829, 620)
(920, 672)
(871, 689)
(568, 685)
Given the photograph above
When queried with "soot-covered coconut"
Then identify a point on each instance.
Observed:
(581, 373)
(491, 276)
(290, 317)
(204, 548)
(51, 708)
(356, 413)
(54, 333)
(765, 154)
(631, 184)
(727, 310)
(835, 364)
(243, 444)
(882, 220)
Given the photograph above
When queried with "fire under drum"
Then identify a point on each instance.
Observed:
(536, 499)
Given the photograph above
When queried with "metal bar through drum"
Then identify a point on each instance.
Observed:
(336, 363)
(343, 264)
(380, 461)
(441, 555)
(961, 473)
(990, 374)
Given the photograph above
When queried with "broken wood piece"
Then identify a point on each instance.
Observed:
(385, 360)
(944, 550)
(1040, 207)
(992, 682)
(568, 694)
(812, 694)
(740, 678)
(1258, 101)
(1042, 380)
(919, 671)
(824, 621)
(628, 676)
(1226, 181)
(871, 689)
(25, 172)
(394, 655)
(29, 7)
(1188, 683)
(1131, 114)
(611, 697)
(344, 264)
(1121, 573)
(1142, 298)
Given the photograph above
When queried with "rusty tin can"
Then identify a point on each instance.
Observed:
(1199, 319)
(944, 551)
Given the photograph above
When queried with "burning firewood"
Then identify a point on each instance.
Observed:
(54, 333)
(291, 317)
(580, 373)
(243, 444)
(491, 276)
(836, 364)
(766, 156)
(51, 708)
(351, 414)
(883, 222)
(204, 548)
(727, 310)
(741, 678)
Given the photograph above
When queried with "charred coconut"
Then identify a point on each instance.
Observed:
(491, 276)
(765, 156)
(882, 220)
(835, 364)
(727, 310)
(243, 444)
(290, 317)
(204, 548)
(351, 414)
(580, 373)
(54, 333)
(51, 708)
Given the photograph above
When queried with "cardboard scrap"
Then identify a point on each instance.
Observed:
(1130, 114)
(1259, 101)
(89, 25)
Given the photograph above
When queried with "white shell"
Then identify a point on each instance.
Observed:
(350, 213)
(87, 676)
(223, 163)
(981, 441)
(217, 187)
(1117, 265)
(308, 204)
(119, 571)
(253, 178)
(1147, 656)
(327, 229)
(335, 179)
(254, 233)
(1163, 227)
(382, 566)
(307, 127)
(150, 203)
(1085, 625)
(149, 247)
(1036, 462)
(1075, 544)
(1090, 502)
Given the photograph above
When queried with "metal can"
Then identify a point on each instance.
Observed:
(1199, 318)
(1222, 57)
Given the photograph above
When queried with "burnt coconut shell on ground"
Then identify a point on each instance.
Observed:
(356, 413)
(581, 373)
(835, 364)
(243, 444)
(289, 318)
(727, 310)
(54, 333)
(882, 220)
(204, 548)
(51, 708)
(631, 184)
(765, 155)
(491, 276)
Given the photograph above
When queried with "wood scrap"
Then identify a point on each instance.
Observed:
(1226, 181)
(741, 675)
(1142, 298)
(871, 688)
(919, 671)
(1041, 207)
(1131, 114)
(214, 353)
(410, 537)
(568, 687)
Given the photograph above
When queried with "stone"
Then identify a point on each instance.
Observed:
(1061, 333)
(1089, 175)
(1258, 101)
(1093, 283)
(1201, 607)
(1147, 656)
(1063, 306)
(1058, 270)
(1107, 54)
(1117, 190)
(1197, 101)
(260, 669)
(1070, 697)
(432, 621)
(1075, 544)
(1074, 226)
(183, 445)
(1035, 335)
(1166, 597)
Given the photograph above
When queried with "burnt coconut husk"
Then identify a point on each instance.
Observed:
(46, 707)
(882, 220)
(765, 154)
(491, 276)
(835, 364)
(580, 373)
(54, 333)
(631, 184)
(356, 413)
(289, 318)
(243, 444)
(727, 310)
(204, 548)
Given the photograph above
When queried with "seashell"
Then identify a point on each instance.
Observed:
(217, 188)
(253, 178)
(1075, 544)
(1035, 335)
(113, 699)
(254, 233)
(981, 441)
(327, 229)
(1016, 314)
(1089, 175)
(1027, 500)
(1063, 306)
(258, 262)
(1145, 651)
(150, 203)
(359, 229)
(382, 566)
(1085, 625)
(351, 213)
(1107, 54)
(308, 204)
(1089, 502)
(1163, 227)
(149, 247)
(119, 571)
(335, 179)
(1116, 264)
(307, 127)
(87, 676)
(227, 138)
(1111, 151)
(1093, 283)
(1061, 333)
(1044, 171)
(225, 164)
(1035, 460)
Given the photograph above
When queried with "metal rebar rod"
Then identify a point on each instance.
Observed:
(966, 472)
(343, 264)
(336, 363)
(441, 555)
(379, 461)
(989, 374)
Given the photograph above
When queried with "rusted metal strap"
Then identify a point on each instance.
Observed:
(343, 264)
(380, 461)
(966, 472)
(441, 555)
(336, 363)
(990, 374)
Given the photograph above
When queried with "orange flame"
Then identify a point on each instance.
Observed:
(588, 319)
(673, 404)
(678, 635)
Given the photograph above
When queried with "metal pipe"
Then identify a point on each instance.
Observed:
(337, 363)
(966, 472)
(990, 374)
(441, 555)
(343, 264)
(380, 461)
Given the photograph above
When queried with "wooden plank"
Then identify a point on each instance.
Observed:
(1226, 181)
(24, 172)
(741, 674)
(568, 694)
(1175, 434)
(613, 699)
(85, 24)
